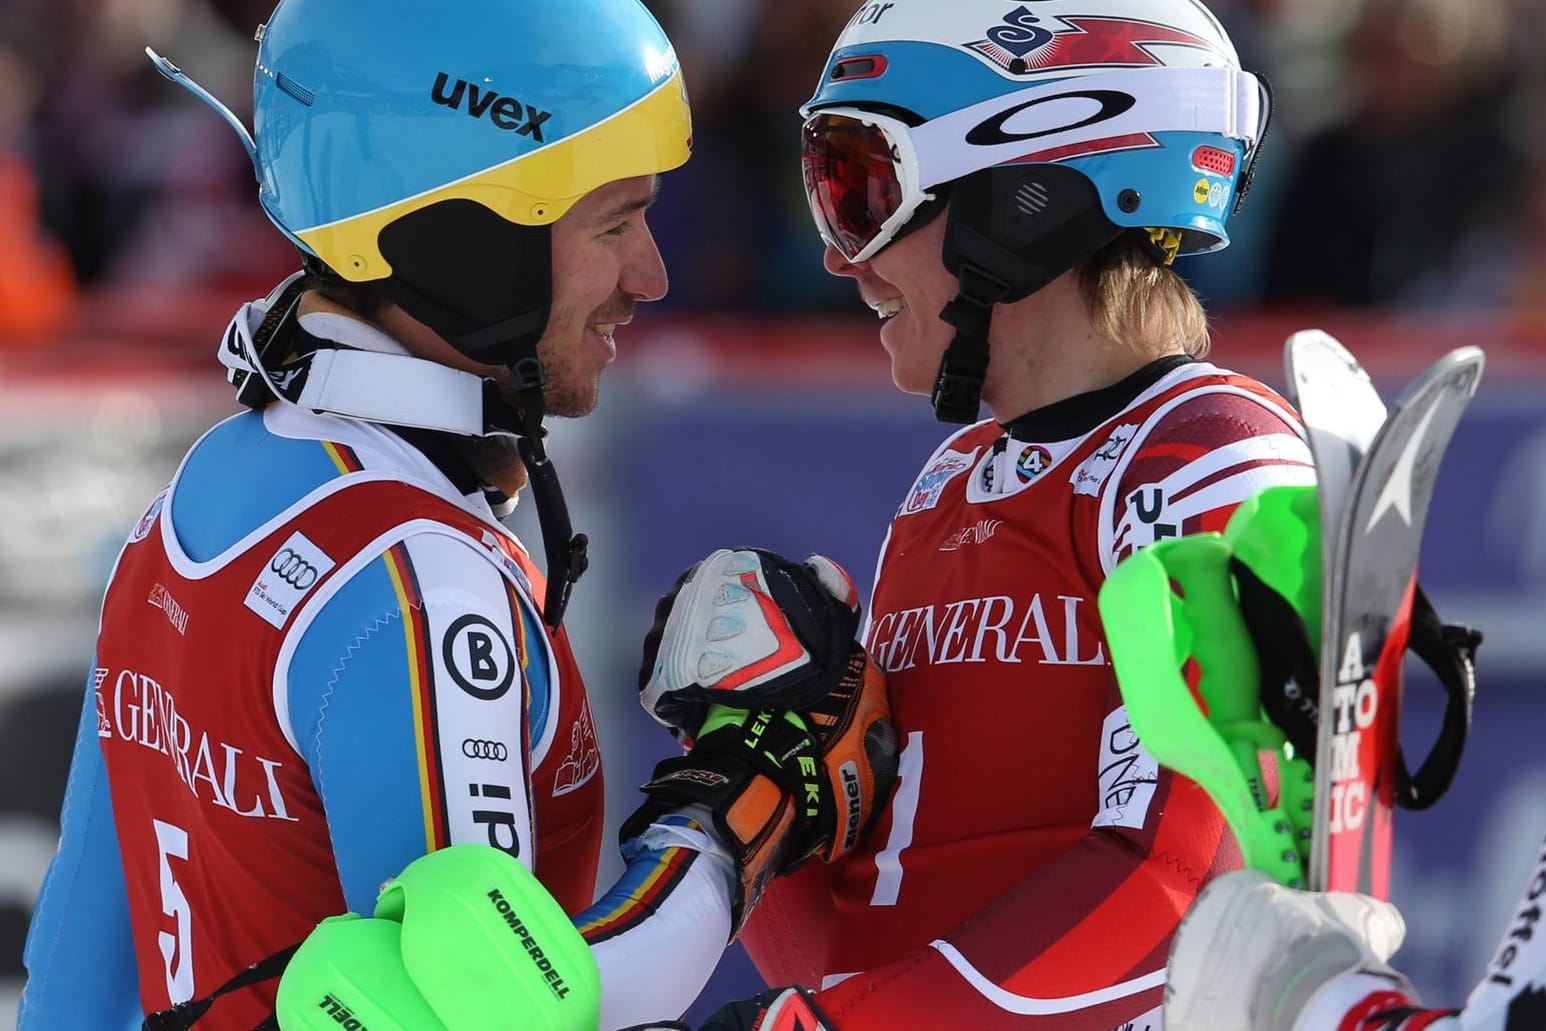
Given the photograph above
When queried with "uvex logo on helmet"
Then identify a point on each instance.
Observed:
(505, 112)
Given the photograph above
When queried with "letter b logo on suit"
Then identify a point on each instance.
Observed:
(479, 658)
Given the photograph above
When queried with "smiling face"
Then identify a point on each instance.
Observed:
(1043, 347)
(907, 285)
(604, 262)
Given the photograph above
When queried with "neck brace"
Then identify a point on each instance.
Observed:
(358, 373)
(335, 364)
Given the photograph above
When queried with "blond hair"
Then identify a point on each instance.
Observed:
(1141, 304)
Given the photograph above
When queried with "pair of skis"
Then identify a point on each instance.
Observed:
(1376, 474)
(1353, 583)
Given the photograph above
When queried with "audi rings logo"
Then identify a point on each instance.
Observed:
(476, 748)
(290, 573)
(294, 570)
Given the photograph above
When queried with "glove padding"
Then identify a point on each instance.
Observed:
(783, 786)
(1251, 955)
(778, 1009)
(749, 629)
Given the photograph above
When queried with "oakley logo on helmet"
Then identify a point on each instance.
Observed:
(294, 570)
(505, 112)
(993, 132)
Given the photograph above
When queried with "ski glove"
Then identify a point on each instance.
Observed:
(753, 664)
(1252, 955)
(749, 629)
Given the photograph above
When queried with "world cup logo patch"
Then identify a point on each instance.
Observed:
(1033, 461)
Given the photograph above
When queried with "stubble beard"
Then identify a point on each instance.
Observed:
(562, 397)
(570, 393)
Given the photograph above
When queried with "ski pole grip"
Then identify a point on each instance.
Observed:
(1228, 680)
(1188, 675)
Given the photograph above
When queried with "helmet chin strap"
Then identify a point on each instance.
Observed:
(269, 356)
(964, 367)
(566, 551)
(1012, 230)
(486, 286)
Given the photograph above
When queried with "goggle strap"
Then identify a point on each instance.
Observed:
(259, 332)
(1226, 101)
(1253, 153)
(398, 390)
(269, 355)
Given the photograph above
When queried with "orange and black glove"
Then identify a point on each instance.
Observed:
(752, 663)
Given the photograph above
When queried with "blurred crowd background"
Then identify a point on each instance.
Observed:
(1404, 169)
(1401, 203)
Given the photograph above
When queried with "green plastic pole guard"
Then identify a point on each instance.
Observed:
(1276, 532)
(1170, 610)
(489, 947)
(464, 938)
(349, 970)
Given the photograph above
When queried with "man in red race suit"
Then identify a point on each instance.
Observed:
(1008, 189)
(322, 656)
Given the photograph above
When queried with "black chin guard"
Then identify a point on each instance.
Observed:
(485, 285)
(482, 283)
(1011, 232)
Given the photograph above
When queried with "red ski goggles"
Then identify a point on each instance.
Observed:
(866, 174)
(861, 179)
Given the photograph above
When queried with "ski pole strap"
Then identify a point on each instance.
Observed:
(1290, 678)
(1450, 651)
(1275, 561)
(184, 1015)
(1277, 570)
(1285, 658)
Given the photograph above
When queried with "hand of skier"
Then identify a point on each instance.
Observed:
(1252, 955)
(749, 629)
(753, 663)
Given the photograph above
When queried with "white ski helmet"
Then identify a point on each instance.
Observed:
(1052, 125)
